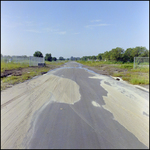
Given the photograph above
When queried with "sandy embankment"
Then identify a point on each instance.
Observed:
(19, 103)
(128, 109)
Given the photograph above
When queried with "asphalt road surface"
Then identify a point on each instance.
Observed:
(73, 107)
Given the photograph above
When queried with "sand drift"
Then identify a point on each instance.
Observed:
(73, 107)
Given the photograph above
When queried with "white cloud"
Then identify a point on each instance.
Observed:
(77, 33)
(62, 32)
(96, 25)
(29, 23)
(32, 30)
(14, 24)
(95, 20)
(32, 23)
(11, 17)
(48, 29)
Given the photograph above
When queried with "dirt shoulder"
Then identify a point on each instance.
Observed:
(104, 69)
(109, 70)
(15, 76)
(20, 71)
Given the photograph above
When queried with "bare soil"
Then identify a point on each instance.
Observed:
(20, 71)
(14, 72)
(109, 70)
(104, 69)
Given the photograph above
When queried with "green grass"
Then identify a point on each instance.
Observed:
(144, 70)
(137, 79)
(11, 66)
(97, 63)
(55, 62)
(33, 71)
(125, 66)
(120, 74)
(126, 78)
(25, 76)
(134, 76)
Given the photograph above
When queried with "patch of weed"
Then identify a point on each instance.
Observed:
(144, 70)
(120, 74)
(138, 80)
(126, 78)
(58, 63)
(11, 66)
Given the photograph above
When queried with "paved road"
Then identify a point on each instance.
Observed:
(72, 107)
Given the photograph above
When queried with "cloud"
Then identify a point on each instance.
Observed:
(95, 20)
(96, 25)
(14, 24)
(29, 23)
(32, 23)
(62, 32)
(33, 30)
(48, 29)
(77, 33)
(11, 17)
(17, 17)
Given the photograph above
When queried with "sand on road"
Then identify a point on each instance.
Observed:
(87, 95)
(19, 103)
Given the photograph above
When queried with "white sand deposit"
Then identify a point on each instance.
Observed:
(127, 108)
(19, 103)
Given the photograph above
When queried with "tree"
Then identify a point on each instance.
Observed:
(106, 56)
(116, 54)
(25, 56)
(48, 57)
(72, 58)
(54, 58)
(128, 55)
(94, 57)
(143, 52)
(99, 56)
(61, 58)
(38, 54)
(139, 52)
(84, 58)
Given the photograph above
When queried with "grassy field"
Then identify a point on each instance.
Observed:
(126, 71)
(26, 72)
(55, 62)
(10, 66)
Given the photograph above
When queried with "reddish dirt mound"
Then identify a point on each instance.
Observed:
(15, 72)
(11, 72)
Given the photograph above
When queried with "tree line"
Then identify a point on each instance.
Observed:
(119, 54)
(48, 56)
(116, 54)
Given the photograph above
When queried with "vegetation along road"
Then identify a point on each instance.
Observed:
(73, 107)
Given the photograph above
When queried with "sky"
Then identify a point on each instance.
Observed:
(72, 28)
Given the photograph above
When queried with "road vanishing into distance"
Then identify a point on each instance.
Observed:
(73, 107)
